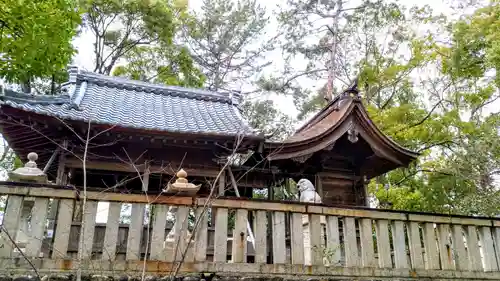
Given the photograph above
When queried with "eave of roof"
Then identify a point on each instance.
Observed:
(332, 122)
(137, 105)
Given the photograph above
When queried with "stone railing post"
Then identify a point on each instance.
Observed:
(30, 173)
(179, 235)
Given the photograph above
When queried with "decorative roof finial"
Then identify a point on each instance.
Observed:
(353, 88)
(236, 97)
(351, 92)
(30, 172)
(181, 186)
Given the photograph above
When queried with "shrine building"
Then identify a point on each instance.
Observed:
(123, 127)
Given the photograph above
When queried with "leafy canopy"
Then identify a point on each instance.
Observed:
(137, 39)
(35, 38)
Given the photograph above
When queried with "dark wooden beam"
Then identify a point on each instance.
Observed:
(171, 169)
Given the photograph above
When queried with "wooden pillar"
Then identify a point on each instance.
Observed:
(270, 196)
(365, 191)
(360, 190)
(270, 192)
(222, 184)
(318, 185)
(62, 176)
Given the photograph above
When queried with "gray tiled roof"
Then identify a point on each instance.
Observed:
(135, 104)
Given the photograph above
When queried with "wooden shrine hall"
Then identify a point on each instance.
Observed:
(128, 129)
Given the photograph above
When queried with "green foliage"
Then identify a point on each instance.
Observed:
(224, 40)
(476, 52)
(17, 163)
(170, 66)
(35, 48)
(137, 39)
(35, 39)
(286, 191)
(264, 116)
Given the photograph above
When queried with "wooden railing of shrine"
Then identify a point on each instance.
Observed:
(290, 238)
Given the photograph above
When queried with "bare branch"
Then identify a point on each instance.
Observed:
(84, 205)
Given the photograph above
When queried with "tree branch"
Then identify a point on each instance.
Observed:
(426, 117)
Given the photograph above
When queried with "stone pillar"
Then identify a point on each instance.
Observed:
(307, 238)
(30, 173)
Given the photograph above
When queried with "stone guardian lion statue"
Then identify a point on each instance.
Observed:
(308, 193)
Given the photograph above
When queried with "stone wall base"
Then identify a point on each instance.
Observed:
(198, 277)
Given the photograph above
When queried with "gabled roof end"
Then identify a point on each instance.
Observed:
(73, 71)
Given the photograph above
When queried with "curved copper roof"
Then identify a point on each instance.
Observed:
(346, 114)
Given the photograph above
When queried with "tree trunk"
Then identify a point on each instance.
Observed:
(26, 86)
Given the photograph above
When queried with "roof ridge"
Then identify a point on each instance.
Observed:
(34, 99)
(129, 84)
(332, 104)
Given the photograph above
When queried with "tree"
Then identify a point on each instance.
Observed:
(458, 169)
(171, 65)
(35, 40)
(333, 41)
(264, 116)
(138, 38)
(475, 53)
(226, 41)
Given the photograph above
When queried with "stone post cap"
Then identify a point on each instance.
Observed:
(181, 186)
(30, 172)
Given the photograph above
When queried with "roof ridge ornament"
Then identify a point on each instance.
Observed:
(30, 172)
(73, 72)
(236, 97)
(352, 91)
(353, 87)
